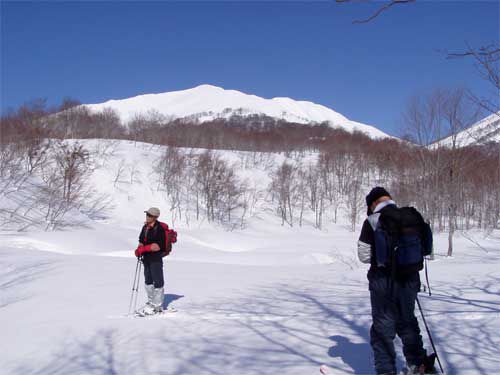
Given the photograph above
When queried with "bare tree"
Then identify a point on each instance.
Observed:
(457, 113)
(284, 188)
(119, 172)
(68, 103)
(172, 169)
(145, 126)
(354, 202)
(72, 161)
(51, 199)
(218, 187)
(315, 192)
(442, 166)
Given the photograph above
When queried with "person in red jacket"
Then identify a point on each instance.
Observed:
(151, 246)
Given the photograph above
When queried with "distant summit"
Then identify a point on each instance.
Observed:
(206, 102)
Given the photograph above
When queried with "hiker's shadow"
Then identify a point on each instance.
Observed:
(352, 354)
(169, 298)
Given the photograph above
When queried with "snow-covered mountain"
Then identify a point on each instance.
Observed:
(482, 132)
(207, 102)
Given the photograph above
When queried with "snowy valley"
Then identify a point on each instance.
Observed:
(255, 294)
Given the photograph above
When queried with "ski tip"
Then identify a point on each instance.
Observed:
(325, 370)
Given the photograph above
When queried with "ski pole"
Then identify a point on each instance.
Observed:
(427, 278)
(137, 285)
(133, 286)
(429, 334)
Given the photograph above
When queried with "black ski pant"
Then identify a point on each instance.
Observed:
(153, 272)
(393, 312)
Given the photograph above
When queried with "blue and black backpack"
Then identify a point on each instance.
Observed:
(402, 240)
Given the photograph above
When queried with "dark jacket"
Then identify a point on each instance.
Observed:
(150, 235)
(389, 217)
(366, 242)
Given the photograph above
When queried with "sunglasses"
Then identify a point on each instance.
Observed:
(149, 215)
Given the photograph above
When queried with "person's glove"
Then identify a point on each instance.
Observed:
(151, 247)
(146, 249)
(139, 251)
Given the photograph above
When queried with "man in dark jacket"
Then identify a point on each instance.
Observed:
(392, 299)
(151, 248)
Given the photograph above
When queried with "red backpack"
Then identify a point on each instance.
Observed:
(170, 238)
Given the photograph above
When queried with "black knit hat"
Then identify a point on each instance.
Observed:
(375, 194)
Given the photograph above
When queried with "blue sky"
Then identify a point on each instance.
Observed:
(95, 51)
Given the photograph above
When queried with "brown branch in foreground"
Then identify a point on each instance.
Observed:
(380, 10)
(487, 58)
(488, 51)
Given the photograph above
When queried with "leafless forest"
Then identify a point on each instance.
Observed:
(455, 187)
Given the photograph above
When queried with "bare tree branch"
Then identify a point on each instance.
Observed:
(487, 60)
(379, 10)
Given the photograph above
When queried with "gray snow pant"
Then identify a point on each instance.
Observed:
(393, 312)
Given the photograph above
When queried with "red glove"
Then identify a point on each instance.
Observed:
(139, 251)
(145, 249)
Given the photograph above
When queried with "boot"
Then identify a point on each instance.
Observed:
(150, 292)
(149, 304)
(427, 366)
(158, 298)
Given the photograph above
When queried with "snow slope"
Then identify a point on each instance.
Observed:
(264, 300)
(484, 131)
(206, 102)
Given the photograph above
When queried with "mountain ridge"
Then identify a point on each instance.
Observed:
(207, 102)
(481, 132)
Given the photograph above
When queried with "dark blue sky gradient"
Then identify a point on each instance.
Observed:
(95, 51)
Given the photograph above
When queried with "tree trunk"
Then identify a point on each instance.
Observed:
(450, 236)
